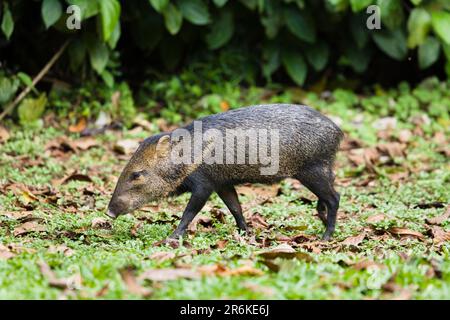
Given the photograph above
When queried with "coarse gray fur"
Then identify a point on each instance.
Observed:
(308, 142)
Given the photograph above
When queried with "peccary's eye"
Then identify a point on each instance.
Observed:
(136, 175)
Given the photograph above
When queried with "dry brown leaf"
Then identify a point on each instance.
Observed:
(406, 232)
(200, 219)
(85, 143)
(350, 143)
(164, 126)
(284, 251)
(385, 123)
(256, 221)
(173, 243)
(23, 192)
(393, 149)
(27, 227)
(135, 229)
(404, 294)
(4, 134)
(367, 264)
(132, 284)
(62, 248)
(72, 282)
(79, 126)
(18, 215)
(74, 176)
(103, 291)
(439, 235)
(404, 135)
(265, 191)
(101, 223)
(143, 123)
(162, 256)
(218, 214)
(440, 138)
(268, 291)
(354, 240)
(368, 157)
(126, 146)
(169, 274)
(376, 218)
(220, 270)
(398, 176)
(5, 252)
(221, 244)
(439, 219)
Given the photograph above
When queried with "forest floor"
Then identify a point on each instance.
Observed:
(392, 238)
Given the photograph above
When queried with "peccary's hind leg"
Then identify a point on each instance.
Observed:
(322, 211)
(230, 198)
(195, 204)
(319, 180)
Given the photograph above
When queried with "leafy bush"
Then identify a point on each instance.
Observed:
(301, 37)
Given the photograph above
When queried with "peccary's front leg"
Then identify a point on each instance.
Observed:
(230, 198)
(195, 204)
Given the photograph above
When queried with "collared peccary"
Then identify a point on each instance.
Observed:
(257, 144)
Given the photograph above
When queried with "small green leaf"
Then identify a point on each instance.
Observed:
(7, 22)
(336, 5)
(393, 43)
(109, 13)
(172, 18)
(88, 8)
(107, 78)
(271, 59)
(300, 24)
(428, 52)
(8, 87)
(31, 109)
(317, 55)
(26, 80)
(221, 30)
(295, 65)
(51, 11)
(358, 5)
(195, 11)
(419, 23)
(98, 56)
(441, 24)
(391, 12)
(220, 3)
(112, 42)
(159, 5)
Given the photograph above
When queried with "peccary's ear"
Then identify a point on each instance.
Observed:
(163, 146)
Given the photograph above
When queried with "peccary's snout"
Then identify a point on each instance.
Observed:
(116, 207)
(110, 214)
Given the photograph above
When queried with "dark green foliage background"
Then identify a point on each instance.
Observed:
(291, 40)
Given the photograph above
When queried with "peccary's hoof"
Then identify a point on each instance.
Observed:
(326, 236)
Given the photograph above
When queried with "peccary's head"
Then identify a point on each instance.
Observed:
(148, 176)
